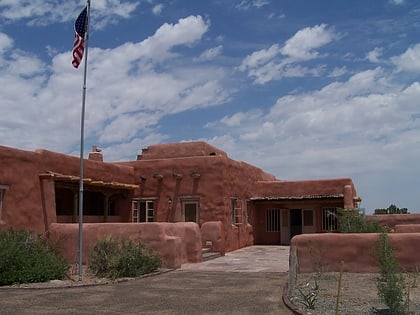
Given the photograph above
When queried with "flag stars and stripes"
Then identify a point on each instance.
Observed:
(80, 26)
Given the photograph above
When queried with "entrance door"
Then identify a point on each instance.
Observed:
(295, 222)
(285, 231)
(190, 211)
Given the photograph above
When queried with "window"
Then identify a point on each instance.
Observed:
(272, 220)
(190, 209)
(237, 210)
(143, 211)
(308, 218)
(3, 189)
(329, 219)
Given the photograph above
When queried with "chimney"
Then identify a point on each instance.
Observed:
(96, 154)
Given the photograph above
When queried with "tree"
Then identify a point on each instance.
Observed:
(392, 209)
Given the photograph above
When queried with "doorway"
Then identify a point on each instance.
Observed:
(295, 222)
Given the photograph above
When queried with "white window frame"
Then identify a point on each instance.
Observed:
(149, 208)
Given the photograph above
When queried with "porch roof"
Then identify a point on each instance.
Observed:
(88, 181)
(302, 197)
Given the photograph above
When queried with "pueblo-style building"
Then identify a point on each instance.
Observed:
(155, 197)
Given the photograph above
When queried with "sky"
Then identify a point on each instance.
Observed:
(301, 89)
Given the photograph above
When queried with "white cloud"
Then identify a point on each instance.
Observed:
(363, 124)
(374, 55)
(303, 44)
(157, 9)
(246, 4)
(210, 53)
(44, 12)
(275, 63)
(127, 93)
(409, 61)
(397, 2)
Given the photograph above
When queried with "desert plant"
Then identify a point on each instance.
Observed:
(390, 283)
(308, 297)
(114, 257)
(351, 221)
(28, 258)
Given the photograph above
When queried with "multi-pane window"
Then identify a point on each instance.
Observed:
(272, 219)
(329, 219)
(143, 211)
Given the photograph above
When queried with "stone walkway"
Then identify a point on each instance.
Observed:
(247, 259)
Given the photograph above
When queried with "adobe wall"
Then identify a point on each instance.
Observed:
(325, 252)
(407, 228)
(391, 220)
(29, 201)
(176, 243)
(220, 179)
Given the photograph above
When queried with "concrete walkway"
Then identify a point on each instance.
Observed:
(247, 259)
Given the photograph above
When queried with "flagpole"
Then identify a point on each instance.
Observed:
(82, 136)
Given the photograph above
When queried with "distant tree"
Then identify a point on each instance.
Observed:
(392, 209)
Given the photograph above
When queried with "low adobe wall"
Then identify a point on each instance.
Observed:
(391, 220)
(213, 236)
(407, 228)
(324, 252)
(176, 243)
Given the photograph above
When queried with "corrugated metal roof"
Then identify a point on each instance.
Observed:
(303, 197)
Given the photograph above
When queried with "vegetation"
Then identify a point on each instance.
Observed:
(114, 257)
(25, 258)
(392, 209)
(390, 283)
(308, 297)
(351, 221)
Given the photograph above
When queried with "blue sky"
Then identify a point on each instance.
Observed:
(302, 89)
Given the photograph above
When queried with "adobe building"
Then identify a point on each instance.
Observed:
(232, 204)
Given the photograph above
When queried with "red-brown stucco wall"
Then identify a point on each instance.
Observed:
(357, 251)
(176, 243)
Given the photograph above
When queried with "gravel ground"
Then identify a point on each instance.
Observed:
(358, 293)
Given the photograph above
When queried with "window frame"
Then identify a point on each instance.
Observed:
(3, 189)
(187, 200)
(329, 219)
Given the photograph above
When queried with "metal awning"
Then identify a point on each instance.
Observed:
(86, 181)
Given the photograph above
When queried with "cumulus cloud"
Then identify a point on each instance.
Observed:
(409, 61)
(157, 9)
(303, 45)
(277, 62)
(361, 124)
(120, 107)
(44, 12)
(374, 55)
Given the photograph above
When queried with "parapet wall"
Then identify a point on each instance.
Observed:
(176, 243)
(324, 252)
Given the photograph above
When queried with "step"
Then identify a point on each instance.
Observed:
(210, 255)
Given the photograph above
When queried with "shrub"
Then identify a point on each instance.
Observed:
(391, 283)
(25, 258)
(114, 257)
(351, 221)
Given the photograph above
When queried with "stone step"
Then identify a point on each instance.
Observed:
(210, 255)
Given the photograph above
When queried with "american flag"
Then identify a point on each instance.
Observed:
(79, 37)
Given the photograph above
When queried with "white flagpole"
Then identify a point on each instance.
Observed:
(82, 136)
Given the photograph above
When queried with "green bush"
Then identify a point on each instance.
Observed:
(351, 221)
(25, 258)
(114, 257)
(390, 283)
